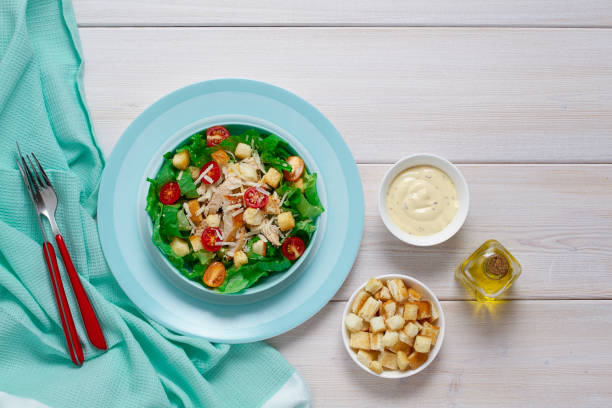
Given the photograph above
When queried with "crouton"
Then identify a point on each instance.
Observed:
(253, 216)
(240, 258)
(273, 205)
(376, 366)
(353, 322)
(422, 344)
(430, 331)
(410, 311)
(180, 247)
(398, 289)
(424, 309)
(220, 157)
(400, 346)
(260, 248)
(377, 324)
(388, 360)
(415, 360)
(243, 151)
(360, 340)
(402, 360)
(194, 206)
(383, 294)
(196, 242)
(360, 299)
(369, 308)
(404, 338)
(376, 341)
(181, 160)
(434, 313)
(213, 220)
(285, 221)
(373, 286)
(395, 322)
(400, 310)
(248, 172)
(390, 338)
(411, 329)
(366, 357)
(272, 177)
(413, 294)
(388, 308)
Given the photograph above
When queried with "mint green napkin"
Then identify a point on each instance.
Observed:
(42, 107)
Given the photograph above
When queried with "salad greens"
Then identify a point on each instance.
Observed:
(229, 207)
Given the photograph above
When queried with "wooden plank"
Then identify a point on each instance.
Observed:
(357, 12)
(556, 219)
(472, 95)
(514, 354)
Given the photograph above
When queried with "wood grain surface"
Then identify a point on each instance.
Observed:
(471, 95)
(518, 92)
(555, 13)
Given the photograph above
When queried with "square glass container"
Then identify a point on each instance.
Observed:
(489, 271)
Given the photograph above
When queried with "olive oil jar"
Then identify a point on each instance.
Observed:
(489, 271)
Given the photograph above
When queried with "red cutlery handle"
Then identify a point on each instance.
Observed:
(92, 325)
(72, 338)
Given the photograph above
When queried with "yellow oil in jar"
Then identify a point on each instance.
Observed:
(489, 271)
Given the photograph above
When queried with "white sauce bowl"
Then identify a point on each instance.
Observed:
(463, 196)
(426, 294)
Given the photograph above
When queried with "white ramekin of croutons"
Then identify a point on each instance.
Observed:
(393, 326)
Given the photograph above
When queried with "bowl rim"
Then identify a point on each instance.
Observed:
(461, 186)
(429, 295)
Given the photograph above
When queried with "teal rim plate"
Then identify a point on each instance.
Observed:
(157, 289)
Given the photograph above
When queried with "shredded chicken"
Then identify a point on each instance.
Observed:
(216, 201)
(271, 232)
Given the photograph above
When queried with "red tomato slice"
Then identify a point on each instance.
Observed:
(254, 198)
(170, 193)
(214, 173)
(297, 168)
(293, 248)
(210, 237)
(216, 135)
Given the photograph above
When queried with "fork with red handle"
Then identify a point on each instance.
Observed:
(45, 201)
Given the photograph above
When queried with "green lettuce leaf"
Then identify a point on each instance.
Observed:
(187, 186)
(164, 247)
(310, 189)
(169, 222)
(304, 207)
(182, 222)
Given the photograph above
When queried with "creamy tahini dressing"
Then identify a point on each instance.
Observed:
(422, 200)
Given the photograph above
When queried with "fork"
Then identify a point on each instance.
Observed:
(72, 338)
(44, 189)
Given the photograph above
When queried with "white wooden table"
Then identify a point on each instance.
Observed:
(519, 93)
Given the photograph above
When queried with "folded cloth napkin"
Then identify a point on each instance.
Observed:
(146, 365)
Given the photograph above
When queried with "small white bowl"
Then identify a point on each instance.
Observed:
(426, 294)
(463, 195)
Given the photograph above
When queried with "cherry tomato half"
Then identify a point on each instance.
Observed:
(210, 237)
(293, 248)
(214, 173)
(214, 275)
(297, 166)
(254, 198)
(170, 193)
(216, 135)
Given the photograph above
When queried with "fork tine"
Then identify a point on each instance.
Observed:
(42, 171)
(25, 179)
(31, 178)
(33, 170)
